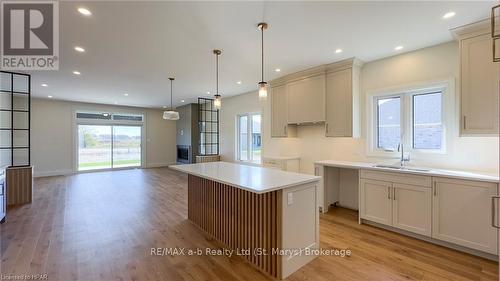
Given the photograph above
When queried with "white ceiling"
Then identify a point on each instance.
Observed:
(133, 47)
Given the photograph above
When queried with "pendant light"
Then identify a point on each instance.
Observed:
(262, 84)
(218, 99)
(171, 114)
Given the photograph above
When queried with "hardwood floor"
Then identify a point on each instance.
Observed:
(102, 226)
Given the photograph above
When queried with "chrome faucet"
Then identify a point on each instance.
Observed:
(403, 158)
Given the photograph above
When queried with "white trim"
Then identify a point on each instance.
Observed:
(64, 172)
(448, 115)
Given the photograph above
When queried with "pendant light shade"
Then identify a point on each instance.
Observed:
(171, 114)
(217, 96)
(262, 84)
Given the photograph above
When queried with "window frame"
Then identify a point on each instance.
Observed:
(250, 159)
(407, 115)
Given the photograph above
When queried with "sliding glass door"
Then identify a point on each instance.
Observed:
(108, 146)
(126, 146)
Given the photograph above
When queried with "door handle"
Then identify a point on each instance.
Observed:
(284, 129)
(327, 127)
(465, 122)
(389, 192)
(494, 211)
(435, 189)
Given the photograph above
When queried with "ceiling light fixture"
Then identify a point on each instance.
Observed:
(49, 97)
(79, 49)
(277, 70)
(45, 85)
(338, 51)
(218, 99)
(125, 94)
(238, 82)
(208, 93)
(84, 12)
(398, 48)
(262, 84)
(171, 114)
(448, 15)
(183, 101)
(76, 72)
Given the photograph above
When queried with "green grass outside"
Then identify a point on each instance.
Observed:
(108, 163)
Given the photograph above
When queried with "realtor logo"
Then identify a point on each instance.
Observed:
(29, 35)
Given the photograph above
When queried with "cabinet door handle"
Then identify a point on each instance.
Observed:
(465, 122)
(389, 192)
(494, 211)
(284, 129)
(435, 189)
(327, 127)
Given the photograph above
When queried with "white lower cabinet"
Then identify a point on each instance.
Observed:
(462, 213)
(375, 201)
(451, 210)
(403, 206)
(411, 207)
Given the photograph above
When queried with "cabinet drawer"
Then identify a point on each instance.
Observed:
(397, 178)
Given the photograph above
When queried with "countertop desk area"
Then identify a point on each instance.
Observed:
(263, 213)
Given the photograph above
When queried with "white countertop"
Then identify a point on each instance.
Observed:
(432, 172)
(281, 157)
(251, 178)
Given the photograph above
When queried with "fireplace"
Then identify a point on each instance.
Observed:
(184, 154)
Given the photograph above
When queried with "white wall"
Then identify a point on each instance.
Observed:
(249, 103)
(52, 130)
(435, 63)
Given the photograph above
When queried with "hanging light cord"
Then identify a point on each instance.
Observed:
(171, 94)
(262, 47)
(216, 74)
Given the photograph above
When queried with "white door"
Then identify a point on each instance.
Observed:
(376, 201)
(412, 208)
(462, 213)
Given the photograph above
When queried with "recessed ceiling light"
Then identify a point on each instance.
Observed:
(448, 15)
(182, 100)
(116, 102)
(238, 82)
(76, 72)
(44, 85)
(208, 93)
(105, 114)
(84, 11)
(125, 94)
(277, 70)
(49, 97)
(338, 51)
(79, 49)
(398, 48)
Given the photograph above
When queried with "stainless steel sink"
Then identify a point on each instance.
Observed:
(401, 168)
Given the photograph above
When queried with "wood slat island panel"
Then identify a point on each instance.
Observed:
(239, 219)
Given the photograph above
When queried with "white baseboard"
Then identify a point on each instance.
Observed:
(38, 174)
(159, 165)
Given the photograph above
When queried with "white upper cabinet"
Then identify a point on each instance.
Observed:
(279, 116)
(306, 100)
(479, 81)
(342, 99)
(325, 94)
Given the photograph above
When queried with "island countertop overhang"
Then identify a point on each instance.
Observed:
(251, 178)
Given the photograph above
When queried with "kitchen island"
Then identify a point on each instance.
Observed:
(269, 216)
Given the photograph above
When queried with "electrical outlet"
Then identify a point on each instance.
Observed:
(289, 198)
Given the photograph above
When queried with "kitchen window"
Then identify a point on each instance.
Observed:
(413, 119)
(249, 137)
